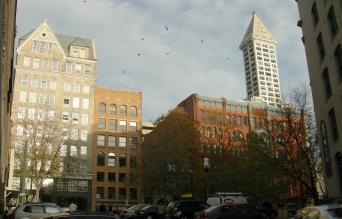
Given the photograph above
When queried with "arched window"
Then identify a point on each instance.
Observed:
(53, 84)
(201, 132)
(100, 159)
(214, 149)
(43, 83)
(280, 140)
(133, 111)
(67, 85)
(237, 136)
(102, 108)
(122, 160)
(86, 88)
(214, 133)
(123, 111)
(220, 134)
(338, 58)
(24, 80)
(333, 124)
(112, 109)
(111, 160)
(208, 149)
(34, 81)
(207, 132)
(77, 87)
(133, 161)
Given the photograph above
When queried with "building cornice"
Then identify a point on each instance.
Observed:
(80, 59)
(46, 71)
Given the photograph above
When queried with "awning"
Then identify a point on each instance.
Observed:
(186, 196)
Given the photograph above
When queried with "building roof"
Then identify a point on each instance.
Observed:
(256, 27)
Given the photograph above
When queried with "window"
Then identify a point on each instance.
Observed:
(122, 193)
(78, 68)
(68, 67)
(111, 176)
(338, 58)
(34, 81)
(73, 151)
(133, 161)
(123, 126)
(122, 160)
(77, 87)
(84, 135)
(111, 190)
(333, 124)
(87, 69)
(133, 111)
(111, 141)
(35, 45)
(75, 52)
(42, 47)
(74, 118)
(50, 47)
(123, 111)
(24, 80)
(67, 85)
(122, 142)
(132, 126)
(100, 191)
(84, 119)
(27, 61)
(111, 160)
(86, 88)
(36, 62)
(65, 117)
(30, 113)
(53, 84)
(112, 124)
(112, 109)
(52, 99)
(233, 120)
(237, 136)
(326, 81)
(54, 65)
(20, 130)
(76, 102)
(101, 123)
(101, 140)
(45, 63)
(22, 96)
(238, 151)
(66, 101)
(32, 97)
(320, 45)
(133, 143)
(42, 98)
(21, 112)
(332, 21)
(122, 177)
(102, 108)
(100, 159)
(100, 177)
(85, 103)
(82, 53)
(43, 83)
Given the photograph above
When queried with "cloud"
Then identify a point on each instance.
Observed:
(118, 26)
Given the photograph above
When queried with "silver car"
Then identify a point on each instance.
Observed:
(129, 212)
(329, 211)
(34, 210)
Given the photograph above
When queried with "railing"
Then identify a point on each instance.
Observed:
(118, 87)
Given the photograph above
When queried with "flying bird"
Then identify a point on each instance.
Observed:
(85, 1)
(166, 28)
(227, 58)
(167, 53)
(123, 72)
(202, 41)
(110, 47)
(139, 54)
(142, 38)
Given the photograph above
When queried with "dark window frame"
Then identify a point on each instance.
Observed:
(332, 21)
(327, 84)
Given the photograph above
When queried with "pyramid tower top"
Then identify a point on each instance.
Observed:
(256, 28)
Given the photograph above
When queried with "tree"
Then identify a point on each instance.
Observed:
(166, 152)
(41, 132)
(295, 141)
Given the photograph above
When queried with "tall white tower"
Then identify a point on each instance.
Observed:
(261, 69)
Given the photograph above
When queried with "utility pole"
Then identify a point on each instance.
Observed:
(23, 180)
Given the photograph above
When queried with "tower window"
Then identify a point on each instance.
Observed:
(314, 14)
(326, 81)
(332, 21)
(320, 45)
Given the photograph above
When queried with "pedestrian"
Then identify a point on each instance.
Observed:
(72, 207)
(161, 210)
(5, 215)
(102, 208)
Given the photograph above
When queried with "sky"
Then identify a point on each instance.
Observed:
(173, 62)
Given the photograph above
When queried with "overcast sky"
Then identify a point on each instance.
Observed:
(173, 63)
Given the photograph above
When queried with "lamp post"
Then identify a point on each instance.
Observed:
(206, 167)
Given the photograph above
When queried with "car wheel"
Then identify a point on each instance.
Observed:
(183, 217)
(149, 217)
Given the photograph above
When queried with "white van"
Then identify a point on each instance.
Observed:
(226, 198)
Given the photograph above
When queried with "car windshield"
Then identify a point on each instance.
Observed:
(212, 208)
(146, 207)
(335, 212)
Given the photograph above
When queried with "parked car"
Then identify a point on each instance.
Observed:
(34, 210)
(83, 215)
(129, 212)
(185, 209)
(329, 211)
(147, 212)
(229, 212)
(267, 210)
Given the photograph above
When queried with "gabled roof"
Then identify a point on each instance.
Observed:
(256, 27)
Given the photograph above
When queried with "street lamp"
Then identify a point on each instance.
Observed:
(206, 167)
